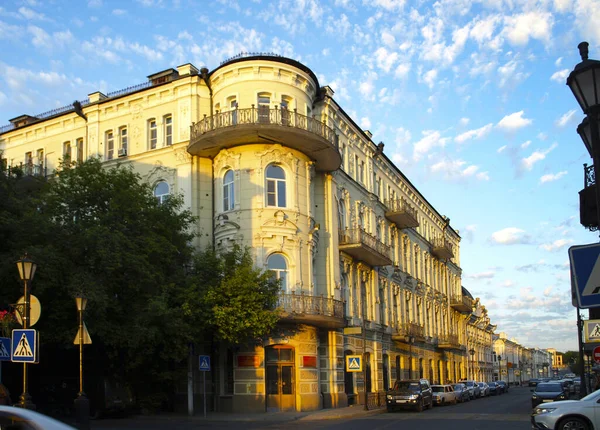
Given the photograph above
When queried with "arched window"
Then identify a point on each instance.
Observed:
(228, 191)
(277, 265)
(161, 191)
(342, 214)
(276, 186)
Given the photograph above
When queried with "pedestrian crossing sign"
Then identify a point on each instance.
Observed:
(24, 346)
(5, 348)
(591, 328)
(205, 363)
(353, 363)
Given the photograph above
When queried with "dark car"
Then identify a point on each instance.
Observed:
(533, 382)
(462, 392)
(504, 386)
(495, 389)
(410, 394)
(548, 392)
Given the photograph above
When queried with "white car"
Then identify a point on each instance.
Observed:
(13, 417)
(581, 414)
(444, 395)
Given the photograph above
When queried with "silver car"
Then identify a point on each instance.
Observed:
(581, 414)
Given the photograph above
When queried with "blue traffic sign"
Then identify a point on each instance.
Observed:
(5, 348)
(24, 346)
(585, 274)
(205, 363)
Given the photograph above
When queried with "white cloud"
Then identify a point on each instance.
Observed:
(402, 70)
(513, 122)
(119, 12)
(31, 15)
(482, 275)
(558, 62)
(525, 144)
(389, 5)
(474, 134)
(402, 136)
(385, 59)
(388, 38)
(560, 76)
(501, 149)
(458, 169)
(557, 245)
(565, 119)
(534, 24)
(536, 156)
(483, 30)
(511, 236)
(429, 77)
(552, 177)
(562, 5)
(430, 140)
(365, 123)
(587, 17)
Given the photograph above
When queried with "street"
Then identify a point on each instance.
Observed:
(505, 412)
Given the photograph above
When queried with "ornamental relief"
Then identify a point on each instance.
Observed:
(278, 155)
(161, 173)
(226, 158)
(182, 156)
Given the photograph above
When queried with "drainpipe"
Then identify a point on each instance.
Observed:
(79, 111)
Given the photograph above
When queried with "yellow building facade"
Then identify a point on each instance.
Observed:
(265, 157)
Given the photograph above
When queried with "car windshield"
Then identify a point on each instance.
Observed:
(437, 389)
(406, 386)
(491, 384)
(469, 383)
(458, 387)
(547, 388)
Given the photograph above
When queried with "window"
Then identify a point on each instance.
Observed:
(233, 105)
(168, 125)
(277, 265)
(152, 133)
(67, 151)
(228, 191)
(28, 168)
(264, 103)
(161, 192)
(361, 172)
(285, 106)
(275, 186)
(79, 144)
(40, 161)
(110, 145)
(123, 140)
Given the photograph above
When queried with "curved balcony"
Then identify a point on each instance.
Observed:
(442, 248)
(314, 310)
(362, 246)
(461, 303)
(264, 125)
(401, 213)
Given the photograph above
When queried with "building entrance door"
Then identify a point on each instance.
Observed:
(280, 378)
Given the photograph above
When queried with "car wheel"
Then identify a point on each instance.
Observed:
(420, 406)
(573, 423)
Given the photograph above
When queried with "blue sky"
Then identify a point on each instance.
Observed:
(469, 98)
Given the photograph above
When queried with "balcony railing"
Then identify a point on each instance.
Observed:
(258, 124)
(318, 310)
(441, 248)
(364, 247)
(461, 303)
(25, 169)
(401, 213)
(449, 341)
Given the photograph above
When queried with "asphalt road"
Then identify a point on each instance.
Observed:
(509, 411)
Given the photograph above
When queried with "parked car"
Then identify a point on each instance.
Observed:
(410, 394)
(495, 389)
(533, 382)
(504, 386)
(444, 395)
(569, 414)
(548, 392)
(484, 389)
(18, 418)
(462, 392)
(474, 390)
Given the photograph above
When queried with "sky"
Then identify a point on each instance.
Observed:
(468, 96)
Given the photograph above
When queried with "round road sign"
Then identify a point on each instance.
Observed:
(596, 354)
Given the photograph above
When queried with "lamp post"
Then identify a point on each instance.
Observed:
(82, 404)
(472, 352)
(26, 268)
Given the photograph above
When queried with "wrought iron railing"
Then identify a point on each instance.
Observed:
(449, 339)
(359, 236)
(589, 177)
(24, 169)
(401, 205)
(250, 54)
(311, 305)
(263, 115)
(458, 299)
(440, 242)
(414, 330)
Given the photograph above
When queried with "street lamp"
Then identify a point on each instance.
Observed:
(472, 352)
(26, 268)
(410, 340)
(82, 404)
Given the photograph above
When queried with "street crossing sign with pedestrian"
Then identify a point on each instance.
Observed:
(5, 348)
(591, 330)
(585, 274)
(24, 346)
(353, 363)
(205, 363)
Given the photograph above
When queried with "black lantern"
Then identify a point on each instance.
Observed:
(584, 80)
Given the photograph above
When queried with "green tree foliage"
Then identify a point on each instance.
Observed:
(239, 299)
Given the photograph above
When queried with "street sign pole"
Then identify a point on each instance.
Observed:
(583, 387)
